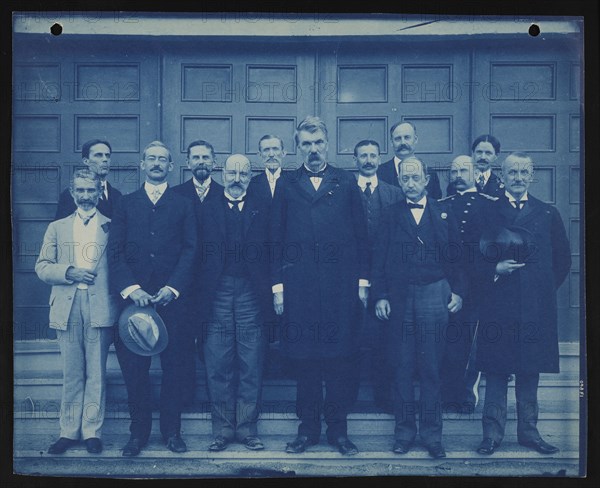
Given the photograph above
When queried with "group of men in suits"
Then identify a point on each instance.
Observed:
(331, 259)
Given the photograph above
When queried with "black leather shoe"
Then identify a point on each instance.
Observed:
(540, 446)
(93, 445)
(133, 447)
(436, 450)
(401, 447)
(488, 446)
(61, 445)
(218, 444)
(175, 443)
(253, 443)
(345, 446)
(299, 444)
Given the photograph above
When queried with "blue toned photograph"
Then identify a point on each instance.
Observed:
(274, 245)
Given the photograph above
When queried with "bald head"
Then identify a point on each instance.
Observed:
(463, 172)
(237, 173)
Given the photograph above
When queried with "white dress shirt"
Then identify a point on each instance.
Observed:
(363, 180)
(202, 189)
(152, 189)
(230, 200)
(417, 213)
(513, 200)
(272, 179)
(315, 180)
(86, 251)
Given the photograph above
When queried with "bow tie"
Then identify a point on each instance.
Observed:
(235, 203)
(318, 174)
(414, 205)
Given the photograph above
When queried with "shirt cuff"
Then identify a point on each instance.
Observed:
(129, 290)
(363, 282)
(278, 288)
(175, 292)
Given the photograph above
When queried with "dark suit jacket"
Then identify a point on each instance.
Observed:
(187, 190)
(389, 273)
(518, 329)
(253, 250)
(494, 187)
(387, 173)
(152, 245)
(321, 238)
(66, 205)
(260, 184)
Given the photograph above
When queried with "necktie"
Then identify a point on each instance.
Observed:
(518, 204)
(368, 191)
(415, 205)
(480, 183)
(235, 204)
(156, 193)
(201, 191)
(86, 220)
(103, 193)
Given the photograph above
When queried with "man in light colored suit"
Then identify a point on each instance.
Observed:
(73, 261)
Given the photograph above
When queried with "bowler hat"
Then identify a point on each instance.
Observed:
(511, 242)
(142, 330)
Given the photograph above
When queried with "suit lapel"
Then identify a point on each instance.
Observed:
(527, 212)
(66, 231)
(248, 214)
(217, 209)
(330, 179)
(303, 181)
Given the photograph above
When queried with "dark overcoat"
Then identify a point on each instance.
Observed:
(518, 331)
(321, 244)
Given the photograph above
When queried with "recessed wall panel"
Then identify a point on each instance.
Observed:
(107, 82)
(434, 133)
(283, 127)
(522, 82)
(36, 133)
(123, 131)
(532, 133)
(358, 84)
(215, 129)
(354, 129)
(206, 83)
(428, 83)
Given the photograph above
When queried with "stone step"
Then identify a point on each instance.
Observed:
(374, 459)
(561, 390)
(278, 423)
(44, 355)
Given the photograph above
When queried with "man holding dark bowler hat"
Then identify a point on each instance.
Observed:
(234, 284)
(418, 279)
(152, 256)
(404, 140)
(525, 257)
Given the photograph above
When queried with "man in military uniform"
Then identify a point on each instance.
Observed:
(459, 382)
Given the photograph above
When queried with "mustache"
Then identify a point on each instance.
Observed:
(368, 165)
(459, 180)
(156, 167)
(314, 157)
(404, 146)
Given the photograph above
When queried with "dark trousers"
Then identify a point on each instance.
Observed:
(341, 377)
(234, 354)
(420, 355)
(458, 379)
(380, 374)
(136, 373)
(494, 408)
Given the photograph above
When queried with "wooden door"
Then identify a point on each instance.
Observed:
(529, 98)
(65, 93)
(231, 95)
